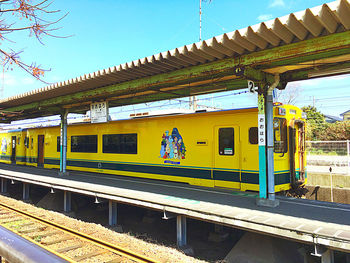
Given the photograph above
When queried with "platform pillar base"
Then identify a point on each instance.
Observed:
(67, 201)
(25, 195)
(267, 202)
(328, 256)
(3, 185)
(63, 173)
(181, 231)
(112, 215)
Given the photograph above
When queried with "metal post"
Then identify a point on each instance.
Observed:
(181, 231)
(112, 218)
(348, 150)
(270, 159)
(67, 202)
(347, 258)
(3, 185)
(328, 256)
(25, 191)
(266, 155)
(63, 151)
(331, 178)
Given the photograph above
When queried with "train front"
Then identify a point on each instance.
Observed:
(289, 126)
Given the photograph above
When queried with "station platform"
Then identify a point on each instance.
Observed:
(307, 221)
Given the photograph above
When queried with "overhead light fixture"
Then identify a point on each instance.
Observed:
(12, 181)
(97, 201)
(165, 216)
(328, 72)
(52, 191)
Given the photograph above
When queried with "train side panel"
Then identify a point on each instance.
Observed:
(215, 149)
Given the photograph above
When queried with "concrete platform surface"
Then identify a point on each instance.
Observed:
(300, 220)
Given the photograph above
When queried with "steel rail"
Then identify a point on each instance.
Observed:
(16, 249)
(103, 244)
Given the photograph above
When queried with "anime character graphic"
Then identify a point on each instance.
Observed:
(4, 145)
(172, 146)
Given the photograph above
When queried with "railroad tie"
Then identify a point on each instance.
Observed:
(66, 249)
(52, 233)
(90, 255)
(57, 240)
(115, 260)
(31, 230)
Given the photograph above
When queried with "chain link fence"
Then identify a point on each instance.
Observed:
(323, 155)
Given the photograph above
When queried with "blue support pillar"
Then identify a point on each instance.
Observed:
(181, 230)
(112, 217)
(3, 185)
(25, 191)
(63, 151)
(67, 201)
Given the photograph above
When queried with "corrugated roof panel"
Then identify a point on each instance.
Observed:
(296, 27)
(220, 47)
(253, 37)
(325, 19)
(268, 35)
(312, 23)
(241, 41)
(282, 31)
(230, 44)
(343, 13)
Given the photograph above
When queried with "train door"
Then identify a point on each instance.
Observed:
(226, 172)
(297, 151)
(13, 151)
(40, 150)
(300, 152)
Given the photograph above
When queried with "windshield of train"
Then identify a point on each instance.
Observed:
(280, 135)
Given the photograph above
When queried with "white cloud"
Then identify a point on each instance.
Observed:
(28, 81)
(8, 79)
(265, 17)
(277, 3)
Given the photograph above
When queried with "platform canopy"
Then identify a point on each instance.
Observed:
(307, 44)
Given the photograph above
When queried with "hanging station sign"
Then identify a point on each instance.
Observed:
(99, 112)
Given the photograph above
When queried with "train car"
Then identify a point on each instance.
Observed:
(213, 149)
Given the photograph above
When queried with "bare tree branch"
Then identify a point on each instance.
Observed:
(26, 16)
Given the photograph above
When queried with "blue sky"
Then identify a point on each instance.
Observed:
(111, 32)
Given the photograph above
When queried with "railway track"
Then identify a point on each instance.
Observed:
(64, 242)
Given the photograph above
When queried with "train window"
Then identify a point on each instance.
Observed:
(58, 143)
(84, 143)
(32, 143)
(280, 135)
(26, 142)
(120, 143)
(226, 141)
(253, 135)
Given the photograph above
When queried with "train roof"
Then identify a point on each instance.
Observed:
(136, 116)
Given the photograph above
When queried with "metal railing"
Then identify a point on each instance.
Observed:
(321, 155)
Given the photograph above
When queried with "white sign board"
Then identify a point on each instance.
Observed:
(261, 129)
(99, 112)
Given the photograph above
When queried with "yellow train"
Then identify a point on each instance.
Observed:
(213, 149)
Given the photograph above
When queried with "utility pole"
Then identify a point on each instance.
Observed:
(193, 99)
(200, 20)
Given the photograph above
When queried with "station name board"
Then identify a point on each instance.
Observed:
(99, 112)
